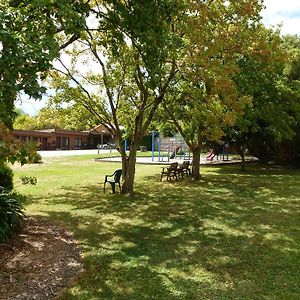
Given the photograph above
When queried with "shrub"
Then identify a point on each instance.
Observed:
(28, 180)
(36, 158)
(6, 177)
(11, 212)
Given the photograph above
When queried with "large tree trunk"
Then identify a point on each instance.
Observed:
(127, 187)
(122, 151)
(196, 162)
(242, 154)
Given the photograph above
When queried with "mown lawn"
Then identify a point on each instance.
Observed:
(233, 235)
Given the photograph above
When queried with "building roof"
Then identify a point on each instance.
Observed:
(31, 132)
(100, 129)
(49, 132)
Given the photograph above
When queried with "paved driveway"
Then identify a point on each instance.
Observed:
(57, 153)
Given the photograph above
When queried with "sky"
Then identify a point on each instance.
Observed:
(284, 12)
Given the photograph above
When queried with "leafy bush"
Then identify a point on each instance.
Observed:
(6, 177)
(35, 158)
(28, 180)
(11, 212)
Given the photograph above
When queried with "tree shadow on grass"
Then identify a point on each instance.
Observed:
(229, 236)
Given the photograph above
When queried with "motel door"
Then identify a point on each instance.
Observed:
(58, 142)
(44, 143)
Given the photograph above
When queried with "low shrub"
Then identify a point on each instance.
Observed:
(11, 212)
(6, 177)
(28, 180)
(36, 158)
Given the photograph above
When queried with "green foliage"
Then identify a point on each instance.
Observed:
(147, 24)
(6, 177)
(168, 129)
(292, 67)
(35, 158)
(72, 117)
(11, 212)
(25, 122)
(13, 151)
(24, 54)
(272, 81)
(29, 180)
(27, 51)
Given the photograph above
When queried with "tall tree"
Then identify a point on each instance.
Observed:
(205, 99)
(271, 79)
(269, 119)
(134, 49)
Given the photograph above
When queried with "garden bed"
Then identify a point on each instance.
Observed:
(39, 263)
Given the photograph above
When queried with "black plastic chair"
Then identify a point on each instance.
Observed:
(115, 179)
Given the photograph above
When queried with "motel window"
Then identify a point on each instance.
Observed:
(25, 138)
(78, 142)
(64, 142)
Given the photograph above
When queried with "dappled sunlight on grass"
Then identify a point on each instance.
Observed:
(233, 235)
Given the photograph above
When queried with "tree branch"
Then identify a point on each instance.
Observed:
(106, 84)
(72, 39)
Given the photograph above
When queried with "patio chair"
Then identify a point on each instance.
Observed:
(169, 172)
(184, 169)
(113, 180)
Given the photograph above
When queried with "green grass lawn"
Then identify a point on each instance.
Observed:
(233, 235)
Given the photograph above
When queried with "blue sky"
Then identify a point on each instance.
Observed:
(284, 12)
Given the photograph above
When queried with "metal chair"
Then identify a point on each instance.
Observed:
(115, 179)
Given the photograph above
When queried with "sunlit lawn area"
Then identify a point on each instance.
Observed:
(233, 235)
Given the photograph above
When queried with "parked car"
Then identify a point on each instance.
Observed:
(107, 146)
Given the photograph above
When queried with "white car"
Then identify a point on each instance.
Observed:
(107, 146)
